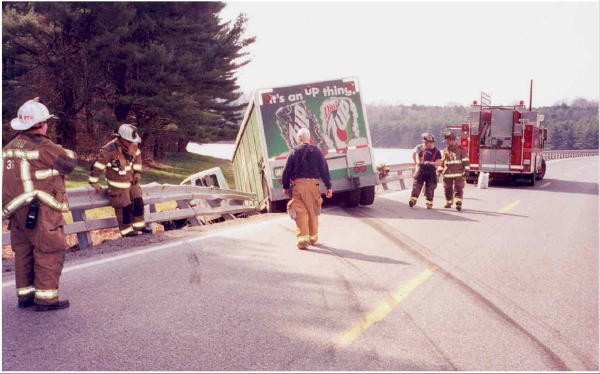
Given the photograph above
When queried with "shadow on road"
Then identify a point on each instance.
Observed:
(561, 185)
(386, 208)
(327, 250)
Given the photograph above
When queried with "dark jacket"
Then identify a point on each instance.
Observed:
(306, 161)
(428, 171)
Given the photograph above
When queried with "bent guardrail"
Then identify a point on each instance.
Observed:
(219, 202)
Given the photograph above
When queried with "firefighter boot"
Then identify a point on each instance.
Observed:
(26, 304)
(458, 207)
(412, 202)
(448, 204)
(61, 304)
(145, 230)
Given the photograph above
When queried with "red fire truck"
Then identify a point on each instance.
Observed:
(505, 141)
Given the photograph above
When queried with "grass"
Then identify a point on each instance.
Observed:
(172, 170)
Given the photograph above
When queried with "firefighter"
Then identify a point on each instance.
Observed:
(417, 151)
(429, 158)
(34, 199)
(455, 165)
(121, 161)
(304, 166)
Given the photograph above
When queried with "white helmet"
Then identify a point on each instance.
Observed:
(129, 132)
(29, 114)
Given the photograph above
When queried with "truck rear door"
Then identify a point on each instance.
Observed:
(496, 141)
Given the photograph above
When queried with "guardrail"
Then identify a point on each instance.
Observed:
(558, 154)
(218, 202)
(397, 172)
(401, 172)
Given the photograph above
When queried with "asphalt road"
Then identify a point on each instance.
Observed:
(509, 284)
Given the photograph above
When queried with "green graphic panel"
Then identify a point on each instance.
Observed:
(331, 110)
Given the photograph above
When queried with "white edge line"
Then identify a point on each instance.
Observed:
(69, 269)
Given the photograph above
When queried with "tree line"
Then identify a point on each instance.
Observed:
(167, 67)
(570, 126)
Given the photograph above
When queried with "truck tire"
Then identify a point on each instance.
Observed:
(352, 198)
(540, 174)
(367, 195)
(531, 179)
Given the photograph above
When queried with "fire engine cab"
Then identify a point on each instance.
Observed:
(505, 141)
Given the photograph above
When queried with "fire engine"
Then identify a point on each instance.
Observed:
(504, 141)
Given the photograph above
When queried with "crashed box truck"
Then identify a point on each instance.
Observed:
(334, 114)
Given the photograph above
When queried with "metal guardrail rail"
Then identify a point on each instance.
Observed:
(401, 172)
(219, 202)
(555, 155)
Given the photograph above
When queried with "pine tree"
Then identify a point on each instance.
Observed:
(43, 58)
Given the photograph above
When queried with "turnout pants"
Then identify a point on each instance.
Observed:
(430, 185)
(129, 208)
(453, 189)
(39, 254)
(304, 208)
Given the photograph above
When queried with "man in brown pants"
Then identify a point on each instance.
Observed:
(121, 162)
(305, 165)
(455, 163)
(34, 198)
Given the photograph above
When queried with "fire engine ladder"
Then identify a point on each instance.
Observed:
(486, 99)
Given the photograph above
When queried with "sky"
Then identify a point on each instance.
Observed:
(428, 53)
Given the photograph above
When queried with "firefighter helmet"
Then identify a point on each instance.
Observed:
(449, 135)
(30, 114)
(129, 132)
(427, 137)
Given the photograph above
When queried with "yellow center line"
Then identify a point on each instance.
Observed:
(383, 308)
(509, 206)
(545, 184)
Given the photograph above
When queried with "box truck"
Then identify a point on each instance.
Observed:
(334, 114)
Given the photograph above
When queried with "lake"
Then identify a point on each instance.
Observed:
(225, 151)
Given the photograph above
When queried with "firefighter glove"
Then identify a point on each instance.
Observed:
(96, 186)
(136, 178)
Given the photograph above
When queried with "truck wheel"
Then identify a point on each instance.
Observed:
(367, 195)
(540, 174)
(352, 198)
(531, 180)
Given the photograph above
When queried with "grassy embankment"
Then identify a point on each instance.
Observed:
(172, 170)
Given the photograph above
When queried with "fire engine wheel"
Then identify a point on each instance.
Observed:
(352, 198)
(540, 174)
(531, 180)
(367, 195)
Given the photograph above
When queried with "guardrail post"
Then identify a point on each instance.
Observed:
(84, 238)
(183, 204)
(401, 175)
